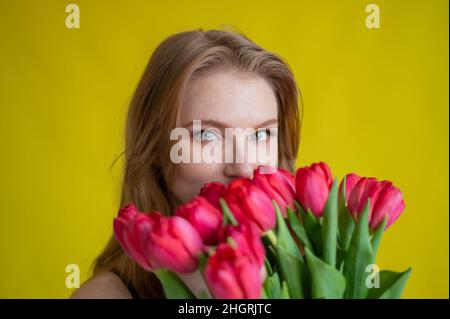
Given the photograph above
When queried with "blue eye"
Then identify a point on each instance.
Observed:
(206, 135)
(260, 135)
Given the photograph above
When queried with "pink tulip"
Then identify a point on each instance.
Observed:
(279, 186)
(350, 182)
(366, 187)
(247, 238)
(322, 168)
(205, 218)
(212, 192)
(230, 274)
(389, 203)
(249, 203)
(131, 229)
(385, 201)
(175, 244)
(155, 241)
(313, 186)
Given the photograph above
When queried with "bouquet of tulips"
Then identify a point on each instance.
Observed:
(273, 236)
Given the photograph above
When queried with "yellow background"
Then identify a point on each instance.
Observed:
(376, 102)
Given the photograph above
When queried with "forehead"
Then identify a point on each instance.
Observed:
(235, 99)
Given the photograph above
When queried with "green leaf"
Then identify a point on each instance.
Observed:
(284, 236)
(326, 281)
(268, 266)
(377, 237)
(346, 228)
(271, 256)
(272, 286)
(329, 226)
(312, 227)
(294, 272)
(284, 291)
(298, 229)
(290, 261)
(358, 257)
(340, 256)
(173, 286)
(346, 223)
(391, 285)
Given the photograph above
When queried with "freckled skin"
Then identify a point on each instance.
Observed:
(237, 100)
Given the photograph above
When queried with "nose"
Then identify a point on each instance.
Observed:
(242, 164)
(238, 170)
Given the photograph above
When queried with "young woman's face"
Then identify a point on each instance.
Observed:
(222, 100)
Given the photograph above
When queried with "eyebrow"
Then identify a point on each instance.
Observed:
(217, 124)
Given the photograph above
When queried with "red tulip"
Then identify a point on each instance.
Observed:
(175, 244)
(279, 186)
(155, 241)
(366, 187)
(247, 238)
(389, 203)
(350, 181)
(322, 169)
(249, 203)
(313, 186)
(205, 218)
(385, 200)
(230, 274)
(212, 192)
(131, 229)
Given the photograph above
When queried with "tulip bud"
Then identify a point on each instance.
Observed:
(350, 182)
(155, 241)
(175, 244)
(212, 192)
(247, 238)
(230, 274)
(279, 186)
(205, 218)
(385, 201)
(389, 203)
(131, 229)
(313, 185)
(322, 169)
(249, 203)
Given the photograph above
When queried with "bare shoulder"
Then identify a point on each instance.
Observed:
(105, 285)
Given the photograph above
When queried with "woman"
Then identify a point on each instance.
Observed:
(222, 79)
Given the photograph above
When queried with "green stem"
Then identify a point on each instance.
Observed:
(272, 237)
(227, 214)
